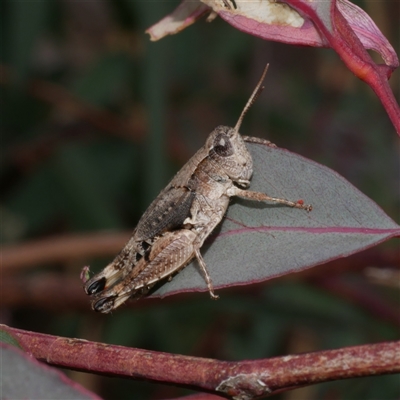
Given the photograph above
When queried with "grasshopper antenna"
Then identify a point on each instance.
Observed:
(257, 91)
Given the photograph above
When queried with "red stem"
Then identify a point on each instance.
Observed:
(243, 378)
(350, 49)
(376, 76)
(61, 249)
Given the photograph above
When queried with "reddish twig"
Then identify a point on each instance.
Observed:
(361, 294)
(66, 102)
(244, 378)
(200, 396)
(58, 292)
(376, 76)
(344, 41)
(66, 292)
(61, 249)
(46, 291)
(77, 247)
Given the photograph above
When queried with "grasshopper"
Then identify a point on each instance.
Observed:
(173, 229)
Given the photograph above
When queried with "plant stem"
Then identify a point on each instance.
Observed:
(242, 378)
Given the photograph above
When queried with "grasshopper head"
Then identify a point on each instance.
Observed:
(228, 150)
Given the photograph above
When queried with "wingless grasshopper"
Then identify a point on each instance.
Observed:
(173, 229)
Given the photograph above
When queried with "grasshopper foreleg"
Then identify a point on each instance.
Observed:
(258, 196)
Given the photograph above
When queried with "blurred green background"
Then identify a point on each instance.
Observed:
(95, 119)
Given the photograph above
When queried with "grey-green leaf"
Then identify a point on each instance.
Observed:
(259, 241)
(22, 377)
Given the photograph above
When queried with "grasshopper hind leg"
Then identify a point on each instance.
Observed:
(117, 270)
(168, 255)
(206, 275)
(95, 285)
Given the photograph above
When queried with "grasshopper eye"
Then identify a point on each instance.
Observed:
(222, 145)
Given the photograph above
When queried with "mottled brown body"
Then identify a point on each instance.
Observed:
(174, 227)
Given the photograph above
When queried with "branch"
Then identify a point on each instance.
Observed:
(61, 249)
(62, 292)
(243, 379)
(57, 292)
(60, 98)
(360, 293)
(345, 42)
(68, 103)
(67, 248)
(66, 292)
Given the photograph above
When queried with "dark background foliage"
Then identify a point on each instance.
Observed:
(95, 119)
